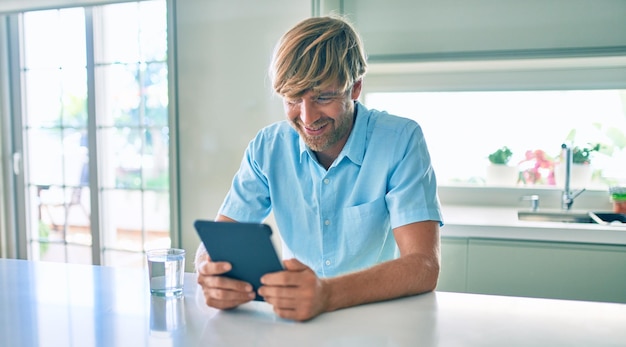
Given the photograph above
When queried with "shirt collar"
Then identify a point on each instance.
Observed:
(354, 149)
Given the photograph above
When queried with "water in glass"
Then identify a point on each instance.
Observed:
(166, 270)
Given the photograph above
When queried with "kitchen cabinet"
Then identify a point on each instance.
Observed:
(453, 274)
(410, 30)
(541, 269)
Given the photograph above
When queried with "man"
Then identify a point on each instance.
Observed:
(352, 190)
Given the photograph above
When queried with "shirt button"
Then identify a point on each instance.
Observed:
(327, 222)
(327, 262)
(326, 180)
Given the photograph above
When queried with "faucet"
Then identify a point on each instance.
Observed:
(568, 196)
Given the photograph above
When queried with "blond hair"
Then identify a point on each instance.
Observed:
(317, 53)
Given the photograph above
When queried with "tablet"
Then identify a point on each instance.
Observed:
(247, 246)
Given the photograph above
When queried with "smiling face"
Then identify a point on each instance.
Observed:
(323, 119)
(317, 69)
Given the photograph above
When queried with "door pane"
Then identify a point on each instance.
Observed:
(54, 38)
(45, 156)
(118, 38)
(156, 98)
(135, 220)
(59, 252)
(119, 95)
(42, 96)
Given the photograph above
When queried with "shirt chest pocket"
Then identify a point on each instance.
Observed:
(365, 226)
(370, 210)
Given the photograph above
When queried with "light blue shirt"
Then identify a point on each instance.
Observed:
(340, 220)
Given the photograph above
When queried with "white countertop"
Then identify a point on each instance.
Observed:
(53, 304)
(502, 223)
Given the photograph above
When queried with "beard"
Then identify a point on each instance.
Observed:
(339, 129)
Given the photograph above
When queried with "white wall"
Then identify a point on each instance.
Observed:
(224, 95)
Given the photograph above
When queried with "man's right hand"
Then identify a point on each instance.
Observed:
(219, 291)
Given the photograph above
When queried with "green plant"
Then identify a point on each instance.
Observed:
(582, 155)
(501, 156)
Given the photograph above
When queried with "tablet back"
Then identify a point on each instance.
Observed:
(247, 246)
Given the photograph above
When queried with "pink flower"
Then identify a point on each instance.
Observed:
(537, 168)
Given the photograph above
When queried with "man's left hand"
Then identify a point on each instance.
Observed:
(296, 293)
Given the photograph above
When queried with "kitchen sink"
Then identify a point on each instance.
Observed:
(608, 217)
(572, 216)
(555, 216)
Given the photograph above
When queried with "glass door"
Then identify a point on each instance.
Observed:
(94, 94)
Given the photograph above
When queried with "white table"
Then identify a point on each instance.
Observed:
(54, 304)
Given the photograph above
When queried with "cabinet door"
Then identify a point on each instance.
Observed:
(453, 274)
(403, 30)
(547, 270)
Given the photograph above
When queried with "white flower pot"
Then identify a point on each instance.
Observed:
(580, 175)
(501, 175)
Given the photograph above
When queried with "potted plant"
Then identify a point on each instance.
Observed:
(499, 173)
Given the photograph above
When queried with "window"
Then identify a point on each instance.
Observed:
(469, 109)
(94, 84)
(463, 128)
